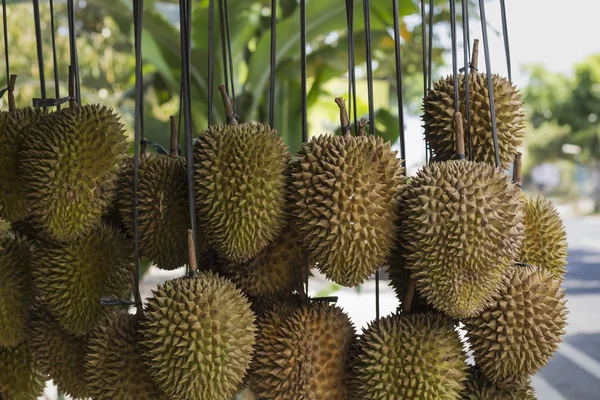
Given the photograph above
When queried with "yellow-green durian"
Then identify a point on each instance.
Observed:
(114, 368)
(345, 204)
(20, 378)
(68, 168)
(461, 229)
(478, 388)
(198, 337)
(520, 329)
(70, 278)
(412, 356)
(240, 173)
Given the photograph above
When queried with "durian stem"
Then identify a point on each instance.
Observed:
(475, 55)
(12, 105)
(518, 170)
(362, 127)
(143, 145)
(72, 102)
(192, 253)
(229, 113)
(173, 151)
(344, 119)
(460, 136)
(408, 299)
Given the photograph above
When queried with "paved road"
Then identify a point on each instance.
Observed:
(574, 374)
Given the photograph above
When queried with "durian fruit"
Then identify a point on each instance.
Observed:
(545, 239)
(198, 335)
(68, 168)
(478, 388)
(303, 355)
(461, 230)
(438, 118)
(114, 368)
(521, 328)
(16, 292)
(345, 191)
(412, 356)
(14, 126)
(240, 174)
(60, 355)
(19, 375)
(278, 269)
(70, 278)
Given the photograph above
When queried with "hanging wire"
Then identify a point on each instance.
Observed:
(488, 66)
(138, 11)
(223, 45)
(5, 29)
(467, 68)
(187, 111)
(38, 44)
(425, 64)
(54, 58)
(304, 91)
(273, 66)
(430, 47)
(211, 57)
(399, 85)
(369, 57)
(454, 54)
(228, 33)
(353, 112)
(73, 50)
(506, 40)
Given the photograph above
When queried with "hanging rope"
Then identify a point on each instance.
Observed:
(506, 41)
(73, 50)
(54, 58)
(138, 10)
(454, 54)
(211, 56)
(39, 47)
(425, 64)
(369, 57)
(466, 69)
(273, 66)
(187, 117)
(399, 81)
(351, 64)
(228, 34)
(304, 91)
(223, 45)
(488, 66)
(5, 29)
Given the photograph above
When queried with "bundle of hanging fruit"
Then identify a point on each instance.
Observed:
(464, 248)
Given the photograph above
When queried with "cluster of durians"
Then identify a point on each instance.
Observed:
(463, 246)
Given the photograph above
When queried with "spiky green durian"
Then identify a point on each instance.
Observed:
(304, 355)
(198, 334)
(14, 126)
(114, 368)
(478, 388)
(240, 173)
(16, 291)
(59, 354)
(69, 166)
(70, 278)
(521, 328)
(438, 118)
(545, 239)
(413, 356)
(345, 192)
(278, 269)
(461, 229)
(164, 216)
(19, 375)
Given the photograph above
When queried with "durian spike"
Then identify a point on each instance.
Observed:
(192, 253)
(460, 136)
(475, 55)
(410, 294)
(518, 170)
(362, 127)
(229, 113)
(344, 120)
(173, 151)
(12, 105)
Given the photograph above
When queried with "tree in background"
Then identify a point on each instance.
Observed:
(566, 110)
